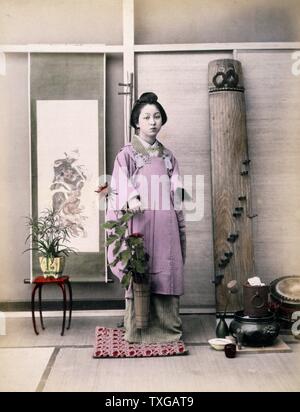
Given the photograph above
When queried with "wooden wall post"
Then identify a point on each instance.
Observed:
(231, 198)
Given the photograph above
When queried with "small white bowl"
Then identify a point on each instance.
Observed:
(219, 343)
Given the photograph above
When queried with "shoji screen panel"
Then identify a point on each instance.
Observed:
(272, 95)
(180, 81)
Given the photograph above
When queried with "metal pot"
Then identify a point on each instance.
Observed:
(256, 300)
(258, 331)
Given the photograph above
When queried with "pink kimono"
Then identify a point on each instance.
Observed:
(156, 180)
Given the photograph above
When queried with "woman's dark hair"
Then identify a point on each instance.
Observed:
(146, 98)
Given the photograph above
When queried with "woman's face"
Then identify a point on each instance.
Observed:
(150, 122)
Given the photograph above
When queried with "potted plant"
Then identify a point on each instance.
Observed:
(129, 249)
(48, 235)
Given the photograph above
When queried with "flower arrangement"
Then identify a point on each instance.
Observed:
(128, 249)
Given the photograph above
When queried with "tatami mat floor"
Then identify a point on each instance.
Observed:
(50, 362)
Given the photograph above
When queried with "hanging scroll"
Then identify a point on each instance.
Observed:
(68, 153)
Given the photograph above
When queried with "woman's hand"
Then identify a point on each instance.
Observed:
(135, 205)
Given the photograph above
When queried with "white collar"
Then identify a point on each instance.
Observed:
(146, 144)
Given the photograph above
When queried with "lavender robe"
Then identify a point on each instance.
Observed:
(161, 224)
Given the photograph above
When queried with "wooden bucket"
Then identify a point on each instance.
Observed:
(141, 300)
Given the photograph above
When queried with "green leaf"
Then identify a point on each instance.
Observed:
(43, 244)
(134, 241)
(126, 217)
(140, 267)
(111, 239)
(126, 280)
(117, 247)
(31, 248)
(125, 256)
(120, 230)
(110, 224)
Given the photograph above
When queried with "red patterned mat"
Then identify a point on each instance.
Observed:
(110, 343)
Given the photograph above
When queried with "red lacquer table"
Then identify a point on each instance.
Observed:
(63, 283)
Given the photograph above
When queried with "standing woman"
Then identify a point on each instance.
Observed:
(154, 192)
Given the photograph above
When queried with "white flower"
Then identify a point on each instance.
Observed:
(139, 161)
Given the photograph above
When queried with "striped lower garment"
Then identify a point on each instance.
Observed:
(165, 324)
